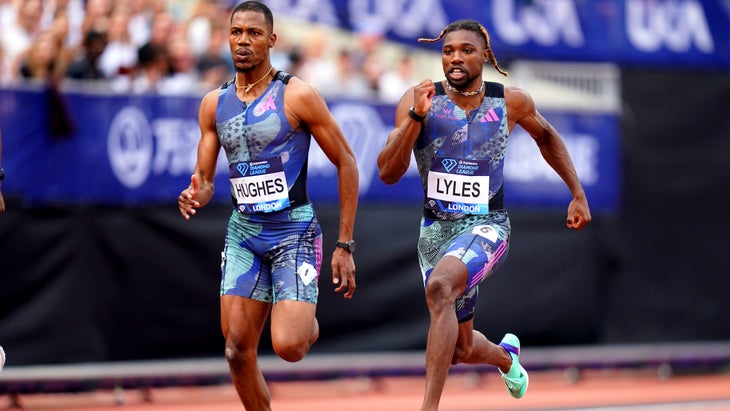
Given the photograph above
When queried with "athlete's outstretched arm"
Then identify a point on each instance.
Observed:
(522, 111)
(306, 108)
(201, 187)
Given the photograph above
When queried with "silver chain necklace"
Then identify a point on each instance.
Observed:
(464, 93)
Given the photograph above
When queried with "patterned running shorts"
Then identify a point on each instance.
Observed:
(273, 256)
(480, 242)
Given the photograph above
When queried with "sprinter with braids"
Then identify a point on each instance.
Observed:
(457, 129)
(473, 26)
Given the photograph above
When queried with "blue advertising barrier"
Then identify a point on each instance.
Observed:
(139, 150)
(673, 33)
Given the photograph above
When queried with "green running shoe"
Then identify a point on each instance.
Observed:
(516, 379)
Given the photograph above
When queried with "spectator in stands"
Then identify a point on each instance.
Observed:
(369, 37)
(96, 16)
(395, 81)
(349, 80)
(465, 121)
(163, 25)
(140, 21)
(182, 76)
(152, 67)
(151, 22)
(213, 68)
(317, 68)
(42, 60)
(17, 37)
(7, 13)
(61, 28)
(120, 55)
(199, 28)
(296, 60)
(72, 14)
(273, 248)
(47, 57)
(85, 66)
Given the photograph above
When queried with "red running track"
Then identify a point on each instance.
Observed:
(608, 390)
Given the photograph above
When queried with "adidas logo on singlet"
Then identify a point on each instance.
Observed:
(490, 116)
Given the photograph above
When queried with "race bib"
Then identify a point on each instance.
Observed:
(458, 186)
(259, 186)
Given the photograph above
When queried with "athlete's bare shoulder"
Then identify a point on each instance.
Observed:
(516, 95)
(298, 89)
(519, 103)
(303, 102)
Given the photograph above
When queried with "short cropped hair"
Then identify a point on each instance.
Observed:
(258, 7)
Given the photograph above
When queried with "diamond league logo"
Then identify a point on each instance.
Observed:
(449, 164)
(242, 168)
(130, 147)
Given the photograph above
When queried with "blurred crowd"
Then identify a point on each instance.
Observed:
(176, 47)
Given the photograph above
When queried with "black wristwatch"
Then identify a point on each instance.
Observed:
(2, 174)
(348, 245)
(415, 116)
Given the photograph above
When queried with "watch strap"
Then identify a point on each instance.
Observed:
(412, 113)
(347, 245)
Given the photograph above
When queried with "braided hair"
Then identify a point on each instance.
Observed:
(471, 25)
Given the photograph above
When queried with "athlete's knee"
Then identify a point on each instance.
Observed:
(439, 292)
(292, 343)
(238, 353)
(289, 350)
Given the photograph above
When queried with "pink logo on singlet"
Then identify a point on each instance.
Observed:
(266, 104)
(490, 116)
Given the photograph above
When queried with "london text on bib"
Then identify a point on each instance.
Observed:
(259, 186)
(458, 186)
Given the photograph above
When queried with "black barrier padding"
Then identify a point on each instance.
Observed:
(674, 223)
(114, 284)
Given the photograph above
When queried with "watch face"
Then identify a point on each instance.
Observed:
(349, 245)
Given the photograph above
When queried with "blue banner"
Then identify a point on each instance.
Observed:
(138, 150)
(673, 33)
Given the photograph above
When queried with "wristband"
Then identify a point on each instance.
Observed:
(412, 113)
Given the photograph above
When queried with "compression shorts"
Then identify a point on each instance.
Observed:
(273, 256)
(481, 242)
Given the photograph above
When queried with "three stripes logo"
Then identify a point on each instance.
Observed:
(490, 116)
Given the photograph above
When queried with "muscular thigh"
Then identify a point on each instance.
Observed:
(292, 321)
(242, 319)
